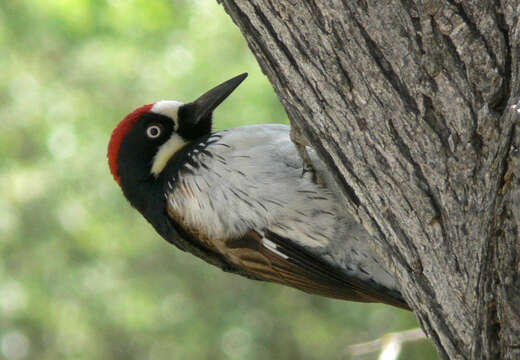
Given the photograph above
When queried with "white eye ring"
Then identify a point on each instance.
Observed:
(153, 131)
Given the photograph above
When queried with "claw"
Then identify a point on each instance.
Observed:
(301, 142)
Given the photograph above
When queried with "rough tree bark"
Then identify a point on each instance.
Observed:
(411, 105)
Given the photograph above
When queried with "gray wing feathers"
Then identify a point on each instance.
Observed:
(257, 171)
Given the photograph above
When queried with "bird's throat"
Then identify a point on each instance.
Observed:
(165, 153)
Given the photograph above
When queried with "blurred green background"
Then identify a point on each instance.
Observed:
(82, 275)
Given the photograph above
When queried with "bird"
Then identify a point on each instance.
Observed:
(241, 200)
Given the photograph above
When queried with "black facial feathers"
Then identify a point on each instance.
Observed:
(190, 130)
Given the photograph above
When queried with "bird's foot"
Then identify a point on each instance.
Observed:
(301, 142)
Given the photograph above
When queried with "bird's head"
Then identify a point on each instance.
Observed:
(148, 137)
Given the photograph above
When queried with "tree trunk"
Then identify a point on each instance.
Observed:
(412, 106)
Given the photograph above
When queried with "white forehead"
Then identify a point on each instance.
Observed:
(168, 108)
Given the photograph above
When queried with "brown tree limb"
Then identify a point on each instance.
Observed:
(410, 103)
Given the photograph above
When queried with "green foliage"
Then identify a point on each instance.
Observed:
(84, 276)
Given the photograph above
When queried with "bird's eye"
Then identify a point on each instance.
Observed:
(153, 131)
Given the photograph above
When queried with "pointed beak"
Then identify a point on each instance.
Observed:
(206, 103)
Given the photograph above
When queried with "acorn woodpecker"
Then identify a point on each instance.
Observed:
(239, 199)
